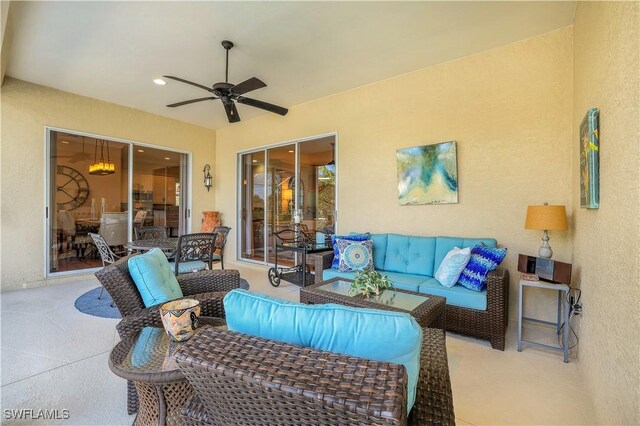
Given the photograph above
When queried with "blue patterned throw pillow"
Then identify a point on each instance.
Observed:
(355, 255)
(351, 237)
(483, 260)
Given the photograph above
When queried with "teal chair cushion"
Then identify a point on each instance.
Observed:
(154, 278)
(366, 333)
(188, 267)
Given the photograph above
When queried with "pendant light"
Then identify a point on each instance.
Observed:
(101, 167)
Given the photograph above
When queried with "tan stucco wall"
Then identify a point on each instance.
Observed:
(509, 109)
(26, 110)
(607, 241)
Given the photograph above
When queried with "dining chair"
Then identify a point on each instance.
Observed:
(221, 233)
(107, 256)
(195, 252)
(150, 232)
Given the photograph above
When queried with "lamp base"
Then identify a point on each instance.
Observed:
(545, 251)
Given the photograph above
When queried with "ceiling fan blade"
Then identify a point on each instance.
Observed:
(232, 112)
(177, 104)
(263, 105)
(248, 86)
(182, 80)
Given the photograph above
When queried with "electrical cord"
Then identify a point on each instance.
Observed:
(572, 304)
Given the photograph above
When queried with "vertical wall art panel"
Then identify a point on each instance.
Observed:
(589, 161)
(428, 174)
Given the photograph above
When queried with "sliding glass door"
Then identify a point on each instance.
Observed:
(107, 187)
(274, 182)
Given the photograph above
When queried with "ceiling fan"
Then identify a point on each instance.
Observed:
(228, 93)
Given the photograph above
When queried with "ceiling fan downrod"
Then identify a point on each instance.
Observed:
(227, 46)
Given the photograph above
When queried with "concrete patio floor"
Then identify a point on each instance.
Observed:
(55, 357)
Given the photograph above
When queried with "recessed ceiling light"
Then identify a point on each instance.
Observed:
(141, 150)
(291, 151)
(65, 142)
(167, 158)
(255, 161)
(159, 82)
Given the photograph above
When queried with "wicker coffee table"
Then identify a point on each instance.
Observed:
(427, 309)
(146, 358)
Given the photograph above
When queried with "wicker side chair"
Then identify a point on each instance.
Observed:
(209, 287)
(241, 379)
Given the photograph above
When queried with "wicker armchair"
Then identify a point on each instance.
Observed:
(245, 380)
(490, 324)
(209, 287)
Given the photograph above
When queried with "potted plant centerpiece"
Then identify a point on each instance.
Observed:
(370, 283)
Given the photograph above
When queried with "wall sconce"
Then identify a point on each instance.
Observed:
(208, 180)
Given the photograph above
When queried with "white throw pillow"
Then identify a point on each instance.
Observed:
(452, 266)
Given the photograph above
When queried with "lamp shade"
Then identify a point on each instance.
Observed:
(550, 218)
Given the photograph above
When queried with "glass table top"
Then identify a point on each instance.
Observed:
(396, 299)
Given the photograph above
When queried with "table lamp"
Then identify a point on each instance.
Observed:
(546, 218)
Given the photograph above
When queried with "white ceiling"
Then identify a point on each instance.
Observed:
(303, 50)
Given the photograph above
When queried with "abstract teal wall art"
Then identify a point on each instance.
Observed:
(428, 174)
(589, 161)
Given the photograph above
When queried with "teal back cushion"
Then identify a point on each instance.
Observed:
(410, 255)
(366, 333)
(154, 278)
(379, 250)
(445, 244)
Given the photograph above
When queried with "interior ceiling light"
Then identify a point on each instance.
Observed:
(167, 158)
(141, 150)
(159, 81)
(101, 167)
(65, 142)
(291, 151)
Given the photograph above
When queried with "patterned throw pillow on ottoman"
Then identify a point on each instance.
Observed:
(355, 255)
(483, 260)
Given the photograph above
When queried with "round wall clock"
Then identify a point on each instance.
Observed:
(72, 188)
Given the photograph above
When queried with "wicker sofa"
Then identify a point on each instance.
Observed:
(244, 380)
(411, 261)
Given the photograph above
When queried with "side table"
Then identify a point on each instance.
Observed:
(563, 293)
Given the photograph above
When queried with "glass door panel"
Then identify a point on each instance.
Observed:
(88, 184)
(316, 192)
(252, 207)
(157, 189)
(281, 171)
(277, 181)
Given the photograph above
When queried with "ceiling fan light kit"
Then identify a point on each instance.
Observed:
(229, 93)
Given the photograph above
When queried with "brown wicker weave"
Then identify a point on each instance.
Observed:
(428, 314)
(490, 324)
(243, 380)
(202, 285)
(162, 389)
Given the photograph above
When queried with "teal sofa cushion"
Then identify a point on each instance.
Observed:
(327, 274)
(402, 281)
(366, 333)
(379, 250)
(456, 295)
(411, 255)
(445, 244)
(154, 278)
